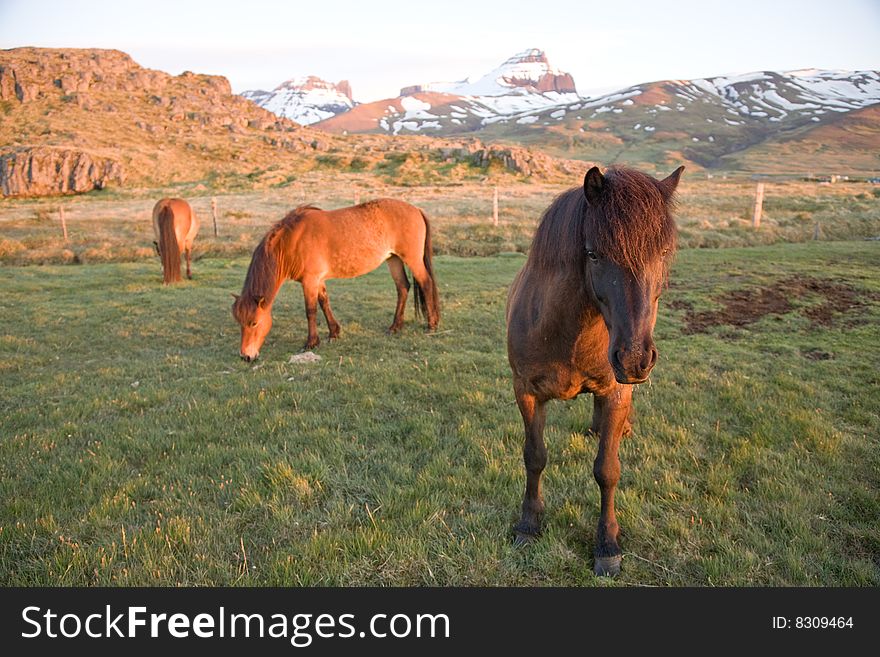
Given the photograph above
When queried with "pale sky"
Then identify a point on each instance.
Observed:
(382, 46)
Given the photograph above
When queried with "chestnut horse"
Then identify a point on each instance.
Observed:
(580, 318)
(176, 226)
(311, 245)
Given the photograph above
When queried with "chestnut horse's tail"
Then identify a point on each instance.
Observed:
(420, 298)
(168, 247)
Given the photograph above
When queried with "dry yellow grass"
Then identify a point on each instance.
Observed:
(115, 226)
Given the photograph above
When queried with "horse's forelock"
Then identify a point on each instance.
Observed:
(238, 308)
(632, 224)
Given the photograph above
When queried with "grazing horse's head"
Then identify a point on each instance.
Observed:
(630, 237)
(254, 316)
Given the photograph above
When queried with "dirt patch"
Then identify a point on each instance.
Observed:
(816, 354)
(839, 298)
(678, 304)
(744, 307)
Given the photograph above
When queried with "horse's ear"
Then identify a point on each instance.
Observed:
(234, 296)
(670, 182)
(594, 183)
(261, 301)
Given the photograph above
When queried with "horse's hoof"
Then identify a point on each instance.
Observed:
(525, 533)
(607, 566)
(308, 346)
(392, 330)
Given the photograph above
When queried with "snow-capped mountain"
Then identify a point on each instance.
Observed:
(525, 99)
(524, 82)
(524, 73)
(305, 99)
(764, 96)
(705, 119)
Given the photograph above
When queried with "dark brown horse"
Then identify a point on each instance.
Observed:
(176, 226)
(580, 318)
(311, 245)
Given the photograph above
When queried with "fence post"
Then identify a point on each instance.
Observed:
(214, 214)
(63, 222)
(357, 198)
(495, 208)
(817, 231)
(759, 205)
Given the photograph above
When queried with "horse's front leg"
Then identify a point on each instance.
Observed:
(332, 324)
(613, 413)
(311, 289)
(535, 459)
(597, 414)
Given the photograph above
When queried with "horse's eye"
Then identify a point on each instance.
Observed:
(592, 256)
(665, 253)
(252, 325)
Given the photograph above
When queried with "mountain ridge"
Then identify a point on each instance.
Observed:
(707, 121)
(74, 120)
(523, 81)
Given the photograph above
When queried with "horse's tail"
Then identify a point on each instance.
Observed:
(168, 246)
(420, 299)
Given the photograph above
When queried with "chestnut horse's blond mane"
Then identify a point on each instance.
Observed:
(271, 262)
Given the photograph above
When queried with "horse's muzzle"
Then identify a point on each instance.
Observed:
(632, 367)
(248, 358)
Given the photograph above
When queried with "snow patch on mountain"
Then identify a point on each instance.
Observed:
(766, 93)
(305, 100)
(528, 70)
(522, 83)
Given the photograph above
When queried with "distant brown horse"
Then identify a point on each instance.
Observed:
(311, 245)
(176, 226)
(580, 318)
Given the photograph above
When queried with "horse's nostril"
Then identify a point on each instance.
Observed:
(649, 359)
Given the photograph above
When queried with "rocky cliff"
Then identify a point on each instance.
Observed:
(27, 74)
(42, 171)
(77, 120)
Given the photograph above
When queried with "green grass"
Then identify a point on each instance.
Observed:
(138, 449)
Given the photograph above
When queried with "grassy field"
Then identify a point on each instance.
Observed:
(138, 449)
(116, 226)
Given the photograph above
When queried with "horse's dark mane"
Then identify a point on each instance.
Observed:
(270, 262)
(631, 225)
